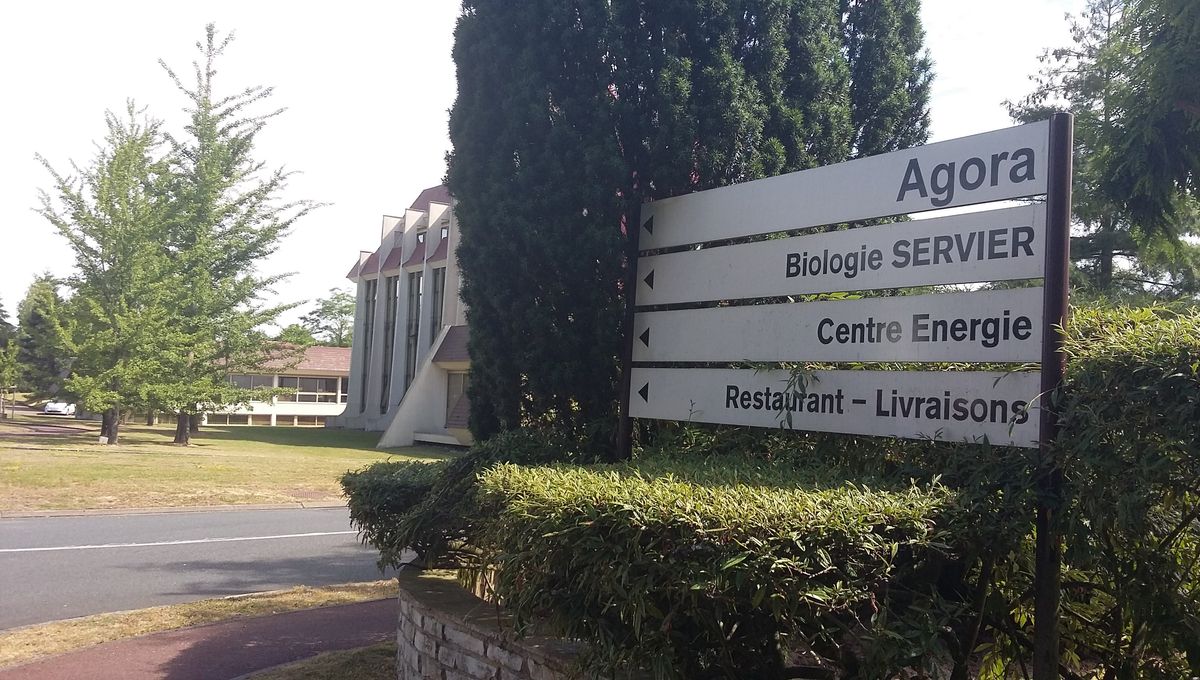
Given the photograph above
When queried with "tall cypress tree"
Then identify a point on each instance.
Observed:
(572, 112)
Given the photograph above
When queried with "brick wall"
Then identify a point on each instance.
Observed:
(445, 633)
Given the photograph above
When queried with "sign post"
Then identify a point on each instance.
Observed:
(1048, 548)
(697, 300)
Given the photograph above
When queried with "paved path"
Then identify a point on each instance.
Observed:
(222, 651)
(60, 567)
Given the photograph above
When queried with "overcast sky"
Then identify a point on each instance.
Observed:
(367, 86)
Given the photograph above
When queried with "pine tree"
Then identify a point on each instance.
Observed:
(226, 216)
(41, 357)
(1152, 165)
(112, 215)
(1119, 252)
(605, 104)
(7, 330)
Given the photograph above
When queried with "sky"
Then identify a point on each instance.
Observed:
(367, 87)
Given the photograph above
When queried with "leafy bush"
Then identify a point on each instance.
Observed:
(1130, 449)
(699, 568)
(426, 507)
(380, 494)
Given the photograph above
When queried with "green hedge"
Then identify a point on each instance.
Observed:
(1130, 449)
(722, 548)
(701, 568)
(380, 495)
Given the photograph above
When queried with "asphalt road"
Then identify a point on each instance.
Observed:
(60, 567)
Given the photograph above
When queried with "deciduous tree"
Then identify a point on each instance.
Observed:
(332, 319)
(226, 216)
(112, 214)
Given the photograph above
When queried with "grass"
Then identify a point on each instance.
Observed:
(69, 470)
(377, 662)
(22, 645)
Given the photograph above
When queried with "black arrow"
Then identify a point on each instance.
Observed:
(645, 337)
(645, 393)
(649, 225)
(650, 278)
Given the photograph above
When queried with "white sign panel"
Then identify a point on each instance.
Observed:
(916, 405)
(994, 326)
(996, 245)
(993, 166)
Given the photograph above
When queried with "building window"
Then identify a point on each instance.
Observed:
(445, 232)
(439, 292)
(412, 328)
(392, 291)
(420, 237)
(252, 382)
(308, 390)
(368, 331)
(456, 387)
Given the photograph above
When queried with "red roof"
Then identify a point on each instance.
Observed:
(418, 255)
(371, 266)
(315, 358)
(454, 347)
(393, 260)
(438, 194)
(439, 253)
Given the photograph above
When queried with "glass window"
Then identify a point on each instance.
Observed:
(445, 232)
(439, 292)
(412, 328)
(389, 342)
(370, 292)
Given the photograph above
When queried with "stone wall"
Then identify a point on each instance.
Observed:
(445, 633)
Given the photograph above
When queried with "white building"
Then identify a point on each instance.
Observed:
(316, 384)
(409, 367)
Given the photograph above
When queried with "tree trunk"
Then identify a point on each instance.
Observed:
(183, 431)
(194, 422)
(114, 433)
(106, 420)
(1106, 269)
(150, 417)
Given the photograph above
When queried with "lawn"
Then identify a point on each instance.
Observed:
(49, 463)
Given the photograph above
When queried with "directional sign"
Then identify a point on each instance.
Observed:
(996, 245)
(916, 405)
(994, 326)
(994, 166)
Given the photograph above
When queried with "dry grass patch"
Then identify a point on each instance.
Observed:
(43, 467)
(377, 662)
(26, 644)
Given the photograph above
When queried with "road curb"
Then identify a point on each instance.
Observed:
(103, 512)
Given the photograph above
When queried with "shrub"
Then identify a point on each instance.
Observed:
(700, 568)
(380, 494)
(1130, 449)
(426, 507)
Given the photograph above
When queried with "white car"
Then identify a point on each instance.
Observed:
(58, 408)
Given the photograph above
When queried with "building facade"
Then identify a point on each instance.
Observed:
(316, 387)
(409, 368)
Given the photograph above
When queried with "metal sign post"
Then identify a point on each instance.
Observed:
(694, 280)
(1048, 562)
